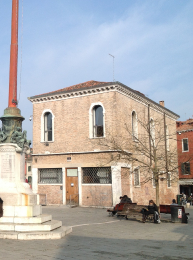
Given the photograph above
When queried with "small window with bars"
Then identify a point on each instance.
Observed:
(100, 175)
(50, 176)
(136, 177)
(185, 168)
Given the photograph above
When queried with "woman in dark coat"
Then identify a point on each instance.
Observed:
(152, 207)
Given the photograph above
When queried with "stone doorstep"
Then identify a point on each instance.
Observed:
(25, 220)
(47, 226)
(54, 234)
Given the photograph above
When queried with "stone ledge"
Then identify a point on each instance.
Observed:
(24, 220)
(47, 226)
(54, 234)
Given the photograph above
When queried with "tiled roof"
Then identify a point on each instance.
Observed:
(86, 84)
(93, 85)
(184, 125)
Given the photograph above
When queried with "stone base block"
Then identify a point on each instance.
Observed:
(24, 220)
(15, 199)
(54, 234)
(22, 211)
(47, 226)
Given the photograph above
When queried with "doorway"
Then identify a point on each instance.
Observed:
(72, 195)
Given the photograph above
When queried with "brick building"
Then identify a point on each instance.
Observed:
(70, 159)
(185, 155)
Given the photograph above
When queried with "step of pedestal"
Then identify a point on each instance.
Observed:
(54, 234)
(24, 220)
(47, 226)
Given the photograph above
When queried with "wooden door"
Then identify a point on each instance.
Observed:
(72, 196)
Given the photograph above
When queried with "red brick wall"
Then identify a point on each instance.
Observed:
(185, 156)
(146, 191)
(97, 195)
(54, 193)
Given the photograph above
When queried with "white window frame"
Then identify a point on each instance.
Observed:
(43, 126)
(183, 146)
(91, 120)
(134, 125)
(136, 169)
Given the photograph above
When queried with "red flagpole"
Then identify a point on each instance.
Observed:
(13, 55)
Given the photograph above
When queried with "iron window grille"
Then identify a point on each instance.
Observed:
(50, 176)
(101, 175)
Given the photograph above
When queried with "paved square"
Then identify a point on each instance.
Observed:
(95, 235)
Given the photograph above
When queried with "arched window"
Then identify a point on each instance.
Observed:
(98, 130)
(48, 136)
(152, 132)
(134, 125)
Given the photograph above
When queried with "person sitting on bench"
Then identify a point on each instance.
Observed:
(152, 207)
(174, 203)
(123, 199)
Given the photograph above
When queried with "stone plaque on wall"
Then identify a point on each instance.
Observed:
(7, 166)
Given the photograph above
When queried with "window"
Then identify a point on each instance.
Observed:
(29, 168)
(185, 168)
(169, 179)
(29, 179)
(152, 132)
(134, 125)
(72, 172)
(97, 175)
(98, 121)
(136, 177)
(48, 126)
(50, 176)
(185, 145)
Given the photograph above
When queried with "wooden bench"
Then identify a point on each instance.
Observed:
(118, 208)
(167, 209)
(133, 211)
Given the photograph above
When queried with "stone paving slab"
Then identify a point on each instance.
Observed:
(95, 235)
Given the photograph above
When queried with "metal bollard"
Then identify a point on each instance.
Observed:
(1, 208)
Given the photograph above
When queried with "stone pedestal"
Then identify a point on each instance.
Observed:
(18, 198)
(21, 213)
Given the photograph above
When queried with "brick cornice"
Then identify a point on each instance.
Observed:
(107, 87)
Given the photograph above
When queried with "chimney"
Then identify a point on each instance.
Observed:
(162, 103)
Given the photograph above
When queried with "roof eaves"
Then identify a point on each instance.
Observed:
(71, 90)
(103, 85)
(148, 99)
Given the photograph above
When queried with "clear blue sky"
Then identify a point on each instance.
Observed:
(66, 42)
